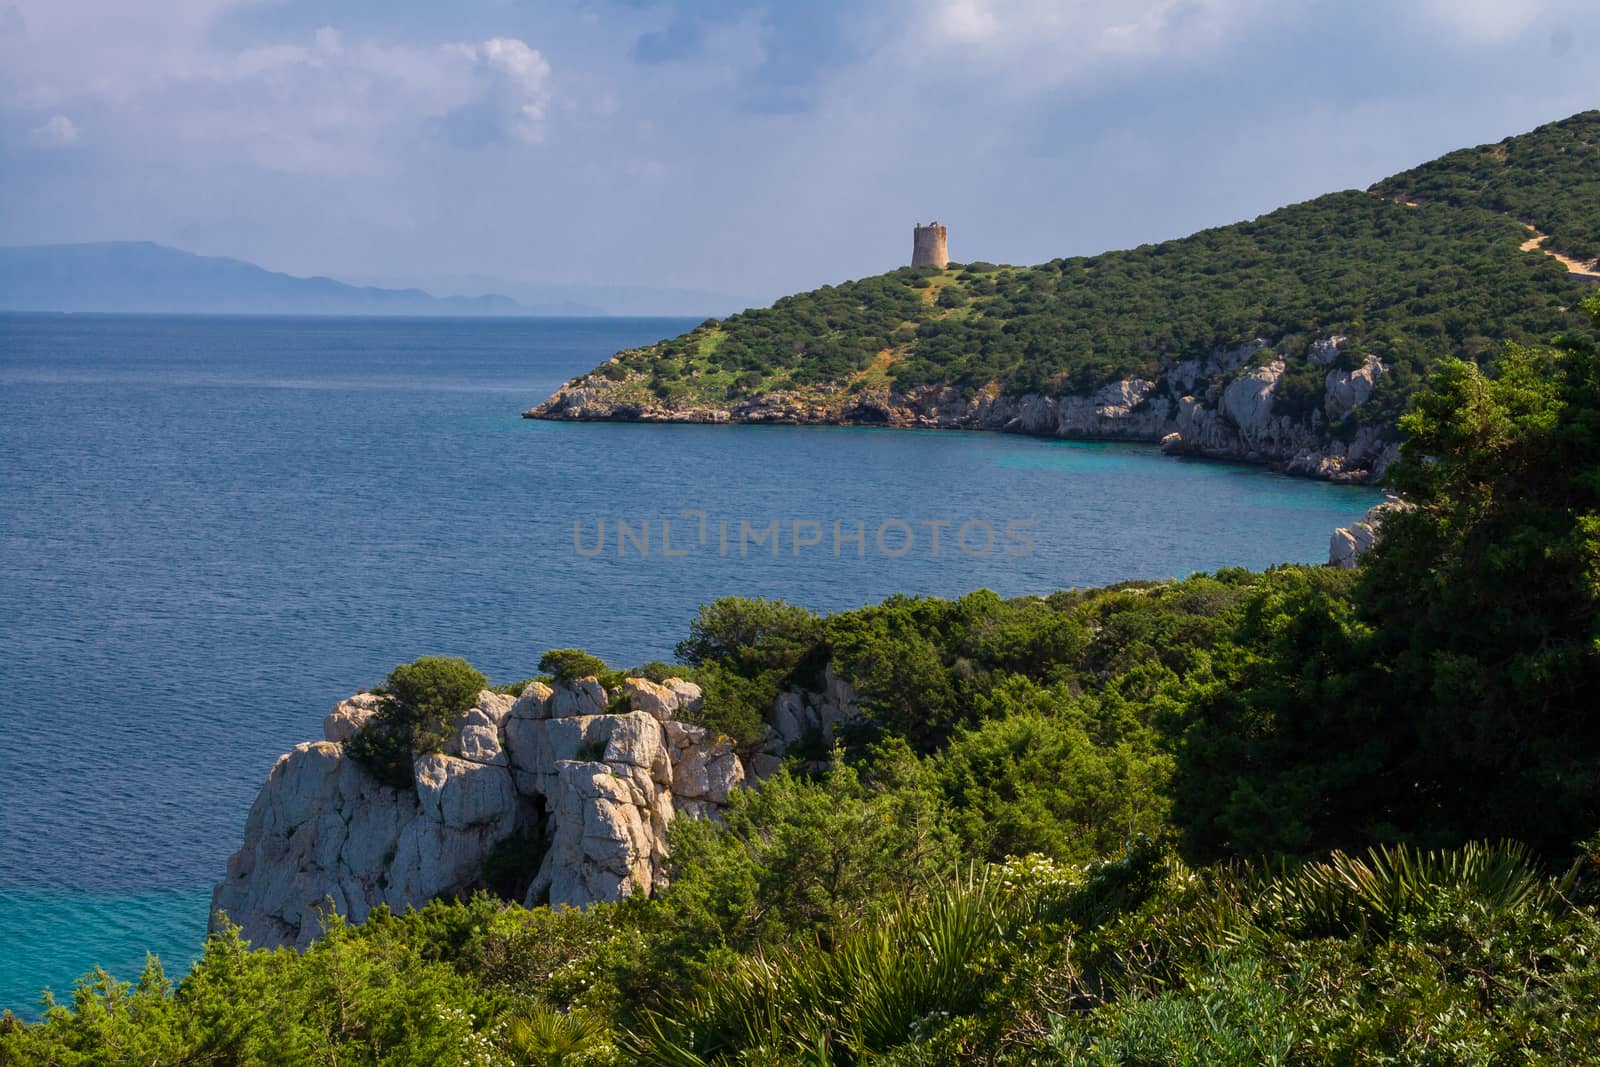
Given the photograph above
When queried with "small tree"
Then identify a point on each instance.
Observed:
(419, 703)
(750, 634)
(567, 665)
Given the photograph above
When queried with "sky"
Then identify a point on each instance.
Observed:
(747, 148)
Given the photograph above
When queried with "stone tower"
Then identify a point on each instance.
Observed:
(928, 247)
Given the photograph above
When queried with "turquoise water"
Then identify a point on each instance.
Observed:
(212, 529)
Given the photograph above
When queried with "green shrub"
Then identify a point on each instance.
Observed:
(1300, 392)
(750, 633)
(420, 702)
(541, 1036)
(567, 665)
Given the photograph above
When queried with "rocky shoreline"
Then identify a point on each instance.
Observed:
(1218, 408)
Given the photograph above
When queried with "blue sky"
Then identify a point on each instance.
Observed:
(748, 148)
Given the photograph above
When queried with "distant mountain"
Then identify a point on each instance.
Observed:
(589, 298)
(139, 276)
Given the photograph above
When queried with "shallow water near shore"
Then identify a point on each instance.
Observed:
(212, 529)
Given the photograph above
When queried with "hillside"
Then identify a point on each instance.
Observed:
(1293, 339)
(1546, 178)
(130, 276)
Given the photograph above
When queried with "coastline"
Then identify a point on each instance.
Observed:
(1221, 409)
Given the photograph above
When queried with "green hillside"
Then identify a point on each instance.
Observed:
(1547, 178)
(1409, 284)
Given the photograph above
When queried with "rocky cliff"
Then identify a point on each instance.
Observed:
(553, 780)
(1222, 407)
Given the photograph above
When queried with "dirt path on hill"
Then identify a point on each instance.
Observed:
(1583, 270)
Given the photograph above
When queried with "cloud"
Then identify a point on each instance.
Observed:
(1487, 21)
(965, 21)
(57, 131)
(1049, 42)
(519, 94)
(319, 100)
(531, 140)
(522, 65)
(494, 91)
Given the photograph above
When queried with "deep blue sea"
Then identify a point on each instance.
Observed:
(212, 529)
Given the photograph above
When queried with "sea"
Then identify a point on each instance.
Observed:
(212, 529)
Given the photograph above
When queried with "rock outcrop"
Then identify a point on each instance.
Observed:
(580, 791)
(1223, 407)
(1237, 420)
(1348, 543)
(802, 720)
(1344, 391)
(597, 787)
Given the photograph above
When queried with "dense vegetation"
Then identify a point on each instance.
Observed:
(1411, 285)
(1243, 818)
(1546, 178)
(1468, 956)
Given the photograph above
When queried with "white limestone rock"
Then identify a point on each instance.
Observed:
(1128, 408)
(1247, 400)
(1349, 543)
(689, 696)
(461, 794)
(349, 716)
(658, 700)
(323, 831)
(604, 846)
(764, 765)
(1344, 391)
(583, 697)
(534, 703)
(1325, 351)
(476, 734)
(320, 829)
(789, 719)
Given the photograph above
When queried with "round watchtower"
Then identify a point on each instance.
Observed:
(928, 246)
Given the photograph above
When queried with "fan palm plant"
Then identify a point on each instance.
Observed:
(835, 1008)
(542, 1037)
(1374, 893)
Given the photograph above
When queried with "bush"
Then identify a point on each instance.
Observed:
(751, 634)
(420, 702)
(1036, 781)
(567, 665)
(1300, 391)
(735, 706)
